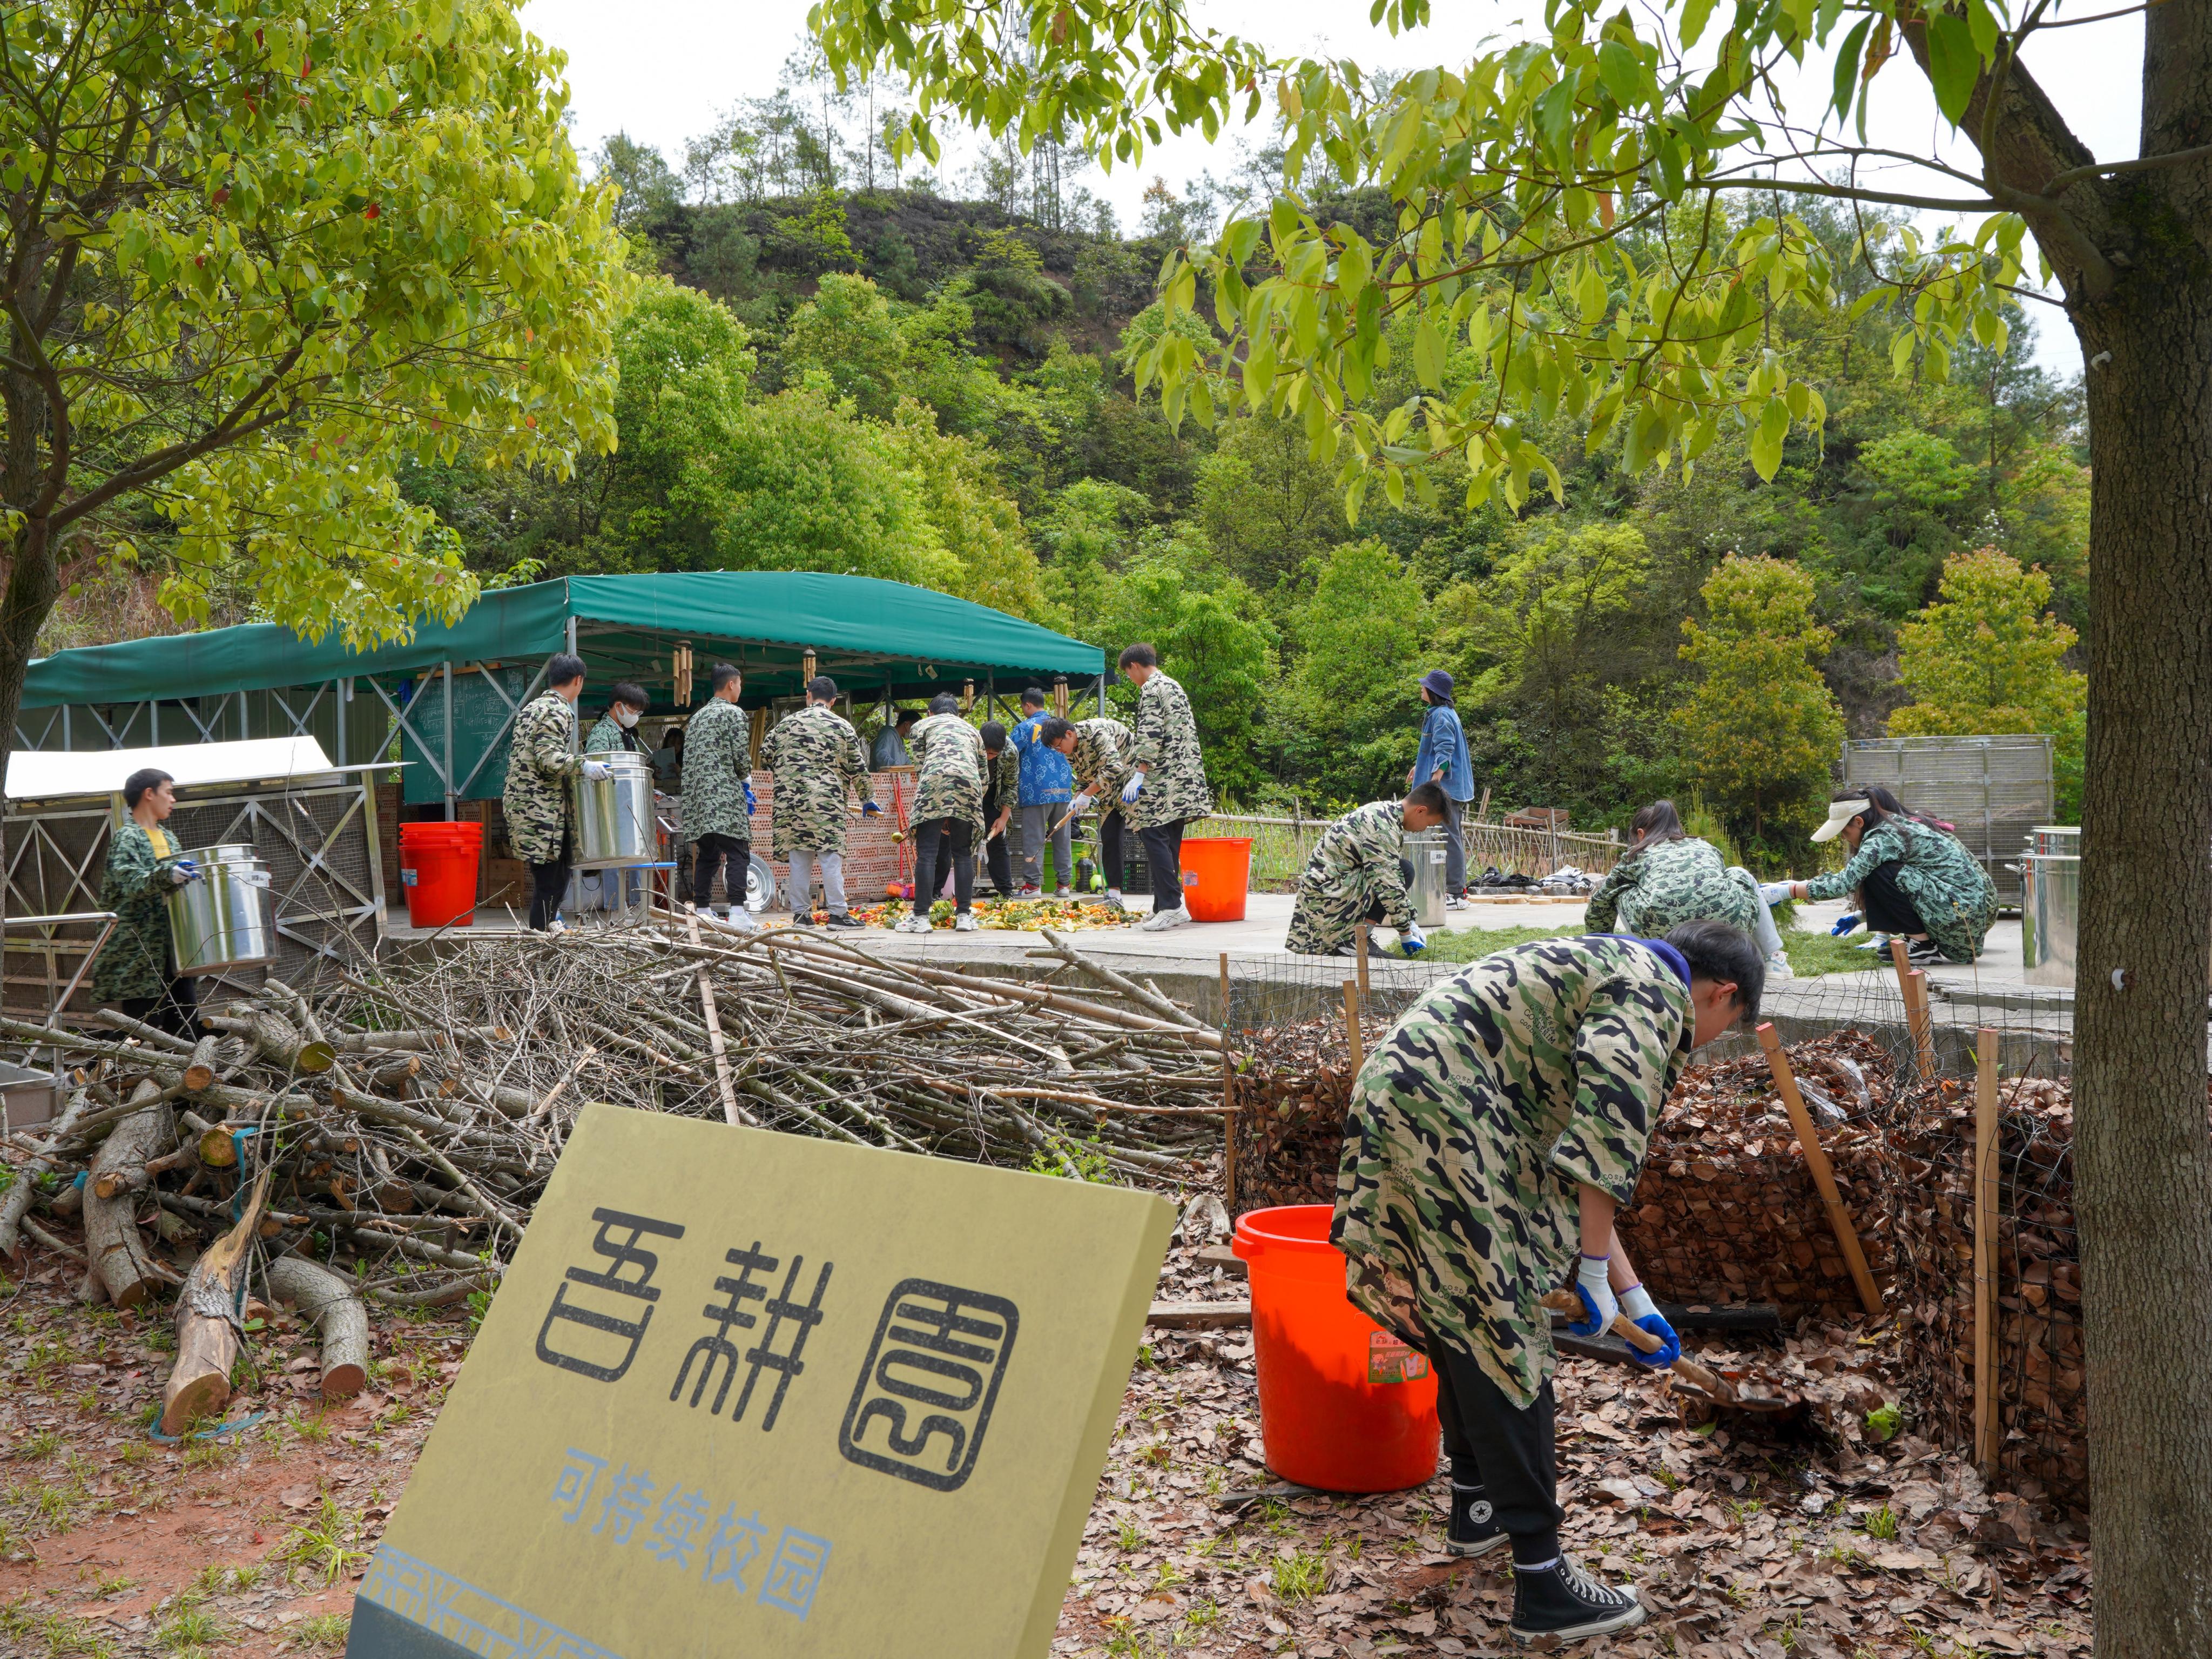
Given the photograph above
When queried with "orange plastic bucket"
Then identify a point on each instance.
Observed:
(1217, 869)
(1343, 1405)
(438, 872)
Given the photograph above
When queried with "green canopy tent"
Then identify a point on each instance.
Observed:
(449, 694)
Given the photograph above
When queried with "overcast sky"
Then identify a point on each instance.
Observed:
(662, 70)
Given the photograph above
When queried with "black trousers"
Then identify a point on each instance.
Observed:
(732, 858)
(1884, 903)
(935, 842)
(549, 885)
(1110, 829)
(1506, 1449)
(1000, 859)
(1164, 858)
(176, 1011)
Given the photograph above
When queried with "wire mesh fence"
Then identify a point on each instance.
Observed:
(1932, 1094)
(1280, 846)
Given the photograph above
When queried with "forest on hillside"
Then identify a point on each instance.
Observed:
(833, 366)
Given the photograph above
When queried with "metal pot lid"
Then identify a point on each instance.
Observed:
(626, 757)
(229, 852)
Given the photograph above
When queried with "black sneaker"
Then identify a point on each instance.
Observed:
(1564, 1602)
(1473, 1529)
(844, 919)
(1926, 953)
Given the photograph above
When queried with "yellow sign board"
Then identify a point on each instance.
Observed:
(744, 1392)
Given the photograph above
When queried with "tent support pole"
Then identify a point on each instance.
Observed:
(446, 674)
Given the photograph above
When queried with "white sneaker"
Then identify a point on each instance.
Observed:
(911, 923)
(1777, 967)
(742, 919)
(1032, 892)
(963, 923)
(557, 926)
(1160, 921)
(1064, 893)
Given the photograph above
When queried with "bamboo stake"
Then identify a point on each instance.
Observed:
(1228, 1100)
(1985, 1249)
(1824, 1177)
(733, 1114)
(1912, 986)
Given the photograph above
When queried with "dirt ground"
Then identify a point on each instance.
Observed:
(1741, 1542)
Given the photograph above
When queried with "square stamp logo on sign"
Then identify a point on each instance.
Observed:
(923, 1402)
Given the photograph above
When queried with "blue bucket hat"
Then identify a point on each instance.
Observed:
(1437, 685)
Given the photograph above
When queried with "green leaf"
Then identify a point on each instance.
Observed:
(1954, 65)
(1847, 66)
(1623, 74)
(1694, 15)
(1429, 353)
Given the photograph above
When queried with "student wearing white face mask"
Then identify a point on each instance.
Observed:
(617, 727)
(617, 730)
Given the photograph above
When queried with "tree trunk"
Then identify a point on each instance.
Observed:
(2143, 1156)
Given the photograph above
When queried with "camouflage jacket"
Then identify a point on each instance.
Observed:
(950, 785)
(1167, 743)
(1956, 898)
(1101, 760)
(1354, 864)
(815, 754)
(1474, 1126)
(540, 763)
(610, 735)
(135, 961)
(1669, 882)
(1002, 781)
(718, 760)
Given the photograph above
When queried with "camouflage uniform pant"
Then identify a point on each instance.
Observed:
(1326, 921)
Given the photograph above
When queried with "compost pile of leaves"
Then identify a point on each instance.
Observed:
(1028, 915)
(1726, 1210)
(1740, 1538)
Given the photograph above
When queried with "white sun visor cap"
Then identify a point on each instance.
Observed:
(1840, 812)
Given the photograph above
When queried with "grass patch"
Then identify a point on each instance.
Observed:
(1300, 1576)
(323, 1547)
(1468, 943)
(1812, 955)
(324, 1629)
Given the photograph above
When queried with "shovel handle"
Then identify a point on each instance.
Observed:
(1636, 1337)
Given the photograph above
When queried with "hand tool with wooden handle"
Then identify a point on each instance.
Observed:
(1636, 1336)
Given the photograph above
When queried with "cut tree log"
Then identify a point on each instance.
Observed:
(325, 1301)
(199, 1071)
(275, 1038)
(208, 1329)
(111, 1226)
(17, 1198)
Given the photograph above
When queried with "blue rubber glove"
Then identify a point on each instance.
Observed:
(870, 810)
(1599, 1305)
(1134, 788)
(1414, 941)
(751, 800)
(1844, 924)
(184, 870)
(1636, 1302)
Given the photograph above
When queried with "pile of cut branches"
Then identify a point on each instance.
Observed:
(387, 1137)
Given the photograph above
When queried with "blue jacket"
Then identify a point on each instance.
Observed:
(1046, 775)
(1443, 745)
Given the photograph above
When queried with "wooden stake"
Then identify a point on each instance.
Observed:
(1912, 986)
(1352, 1025)
(733, 1114)
(1360, 947)
(1985, 1249)
(1228, 1100)
(207, 1321)
(1482, 811)
(1824, 1177)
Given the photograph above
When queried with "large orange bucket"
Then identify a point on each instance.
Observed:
(1217, 870)
(438, 869)
(1343, 1405)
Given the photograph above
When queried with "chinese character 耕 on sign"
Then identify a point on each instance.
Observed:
(923, 1401)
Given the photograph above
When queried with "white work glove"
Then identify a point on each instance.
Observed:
(1134, 788)
(1599, 1304)
(598, 771)
(1080, 805)
(183, 871)
(1775, 892)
